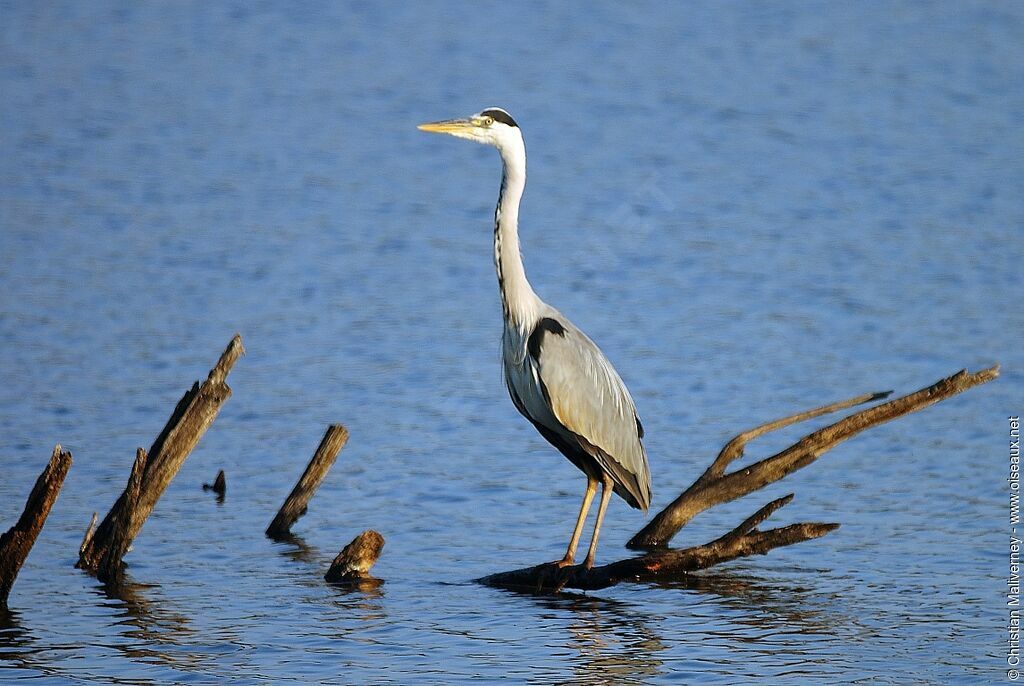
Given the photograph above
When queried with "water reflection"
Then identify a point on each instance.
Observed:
(295, 548)
(149, 622)
(613, 642)
(617, 641)
(16, 642)
(362, 600)
(767, 603)
(371, 586)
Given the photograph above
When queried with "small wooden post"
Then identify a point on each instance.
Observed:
(219, 485)
(19, 539)
(298, 500)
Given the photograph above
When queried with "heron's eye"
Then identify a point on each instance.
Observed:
(488, 121)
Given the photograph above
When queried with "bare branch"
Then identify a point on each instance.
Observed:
(715, 487)
(733, 450)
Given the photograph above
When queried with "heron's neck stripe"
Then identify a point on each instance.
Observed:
(497, 249)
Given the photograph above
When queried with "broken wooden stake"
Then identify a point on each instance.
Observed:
(103, 549)
(19, 539)
(219, 485)
(715, 486)
(297, 501)
(352, 565)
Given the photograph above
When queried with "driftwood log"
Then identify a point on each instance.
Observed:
(297, 501)
(715, 486)
(19, 539)
(102, 550)
(353, 563)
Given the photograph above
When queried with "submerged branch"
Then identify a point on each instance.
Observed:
(665, 564)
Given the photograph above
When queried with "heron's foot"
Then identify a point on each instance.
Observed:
(589, 562)
(566, 561)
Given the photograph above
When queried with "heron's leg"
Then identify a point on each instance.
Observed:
(606, 494)
(588, 497)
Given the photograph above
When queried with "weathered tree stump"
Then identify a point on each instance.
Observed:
(102, 551)
(296, 503)
(19, 539)
(715, 486)
(353, 563)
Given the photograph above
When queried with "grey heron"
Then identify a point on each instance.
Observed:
(557, 377)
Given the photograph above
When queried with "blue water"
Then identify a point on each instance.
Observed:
(752, 207)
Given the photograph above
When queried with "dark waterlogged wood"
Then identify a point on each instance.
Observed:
(219, 485)
(296, 503)
(193, 415)
(353, 563)
(19, 539)
(715, 486)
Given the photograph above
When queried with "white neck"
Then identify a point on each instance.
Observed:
(519, 302)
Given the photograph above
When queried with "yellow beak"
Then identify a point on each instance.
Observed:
(446, 126)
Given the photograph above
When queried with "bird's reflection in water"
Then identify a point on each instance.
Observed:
(617, 642)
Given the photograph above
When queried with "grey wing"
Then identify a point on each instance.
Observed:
(583, 393)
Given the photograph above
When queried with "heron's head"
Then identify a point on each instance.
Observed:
(492, 126)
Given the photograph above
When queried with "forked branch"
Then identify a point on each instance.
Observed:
(715, 486)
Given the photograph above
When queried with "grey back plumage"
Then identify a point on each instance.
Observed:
(561, 381)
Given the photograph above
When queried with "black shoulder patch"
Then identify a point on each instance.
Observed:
(499, 115)
(536, 339)
(639, 426)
